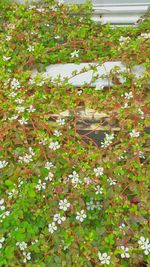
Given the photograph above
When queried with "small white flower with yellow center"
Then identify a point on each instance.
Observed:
(134, 133)
(64, 205)
(59, 219)
(98, 171)
(81, 216)
(104, 258)
(54, 145)
(52, 227)
(30, 48)
(3, 164)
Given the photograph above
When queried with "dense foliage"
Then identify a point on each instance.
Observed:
(64, 200)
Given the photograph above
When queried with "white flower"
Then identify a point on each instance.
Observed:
(49, 177)
(128, 95)
(90, 205)
(81, 216)
(87, 180)
(8, 38)
(27, 157)
(125, 105)
(104, 258)
(19, 101)
(107, 140)
(141, 113)
(144, 244)
(22, 245)
(75, 53)
(145, 35)
(80, 92)
(57, 37)
(99, 171)
(2, 207)
(60, 121)
(99, 190)
(31, 109)
(43, 142)
(20, 109)
(23, 121)
(6, 58)
(13, 94)
(111, 181)
(125, 253)
(27, 256)
(134, 133)
(57, 133)
(54, 145)
(40, 185)
(141, 155)
(30, 48)
(4, 215)
(52, 227)
(34, 242)
(40, 9)
(12, 193)
(64, 205)
(3, 164)
(13, 118)
(59, 219)
(15, 84)
(122, 39)
(1, 242)
(74, 178)
(49, 165)
(122, 225)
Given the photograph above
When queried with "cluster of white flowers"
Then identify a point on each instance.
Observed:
(128, 95)
(134, 133)
(144, 244)
(61, 121)
(22, 246)
(15, 84)
(81, 216)
(30, 48)
(54, 145)
(91, 205)
(2, 207)
(122, 226)
(64, 205)
(104, 258)
(58, 218)
(107, 140)
(99, 171)
(125, 252)
(75, 53)
(99, 190)
(3, 164)
(74, 178)
(23, 121)
(41, 185)
(111, 181)
(2, 241)
(27, 157)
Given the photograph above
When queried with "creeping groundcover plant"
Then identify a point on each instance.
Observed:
(66, 201)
